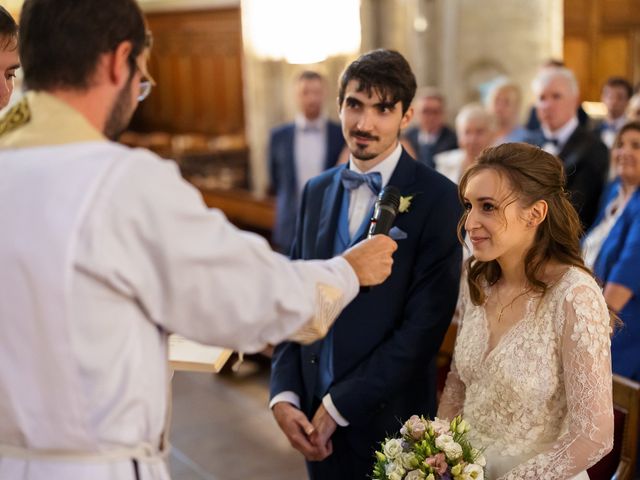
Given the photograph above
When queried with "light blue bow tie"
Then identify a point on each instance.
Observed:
(352, 180)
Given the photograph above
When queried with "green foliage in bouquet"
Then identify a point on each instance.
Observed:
(429, 450)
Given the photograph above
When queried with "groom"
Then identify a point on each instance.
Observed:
(338, 398)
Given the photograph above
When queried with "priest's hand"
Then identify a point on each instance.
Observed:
(324, 426)
(298, 430)
(372, 259)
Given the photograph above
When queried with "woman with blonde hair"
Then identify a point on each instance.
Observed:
(504, 102)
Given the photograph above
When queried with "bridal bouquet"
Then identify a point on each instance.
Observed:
(429, 450)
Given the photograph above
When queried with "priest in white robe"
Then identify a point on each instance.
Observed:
(105, 250)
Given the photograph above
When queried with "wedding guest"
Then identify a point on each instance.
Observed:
(531, 370)
(533, 122)
(9, 61)
(475, 128)
(504, 102)
(299, 151)
(616, 93)
(612, 249)
(336, 399)
(431, 136)
(633, 110)
(585, 157)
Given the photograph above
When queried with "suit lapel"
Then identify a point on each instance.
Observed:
(330, 210)
(290, 147)
(329, 155)
(572, 151)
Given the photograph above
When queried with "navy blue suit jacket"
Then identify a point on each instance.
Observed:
(386, 340)
(586, 163)
(284, 179)
(447, 140)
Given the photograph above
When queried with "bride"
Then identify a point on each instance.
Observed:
(531, 370)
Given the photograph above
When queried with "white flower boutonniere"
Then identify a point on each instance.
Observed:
(405, 203)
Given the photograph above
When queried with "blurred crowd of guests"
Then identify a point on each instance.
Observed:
(601, 159)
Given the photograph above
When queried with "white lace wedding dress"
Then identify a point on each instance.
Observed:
(540, 402)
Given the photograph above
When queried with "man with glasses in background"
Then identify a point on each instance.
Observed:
(105, 250)
(431, 135)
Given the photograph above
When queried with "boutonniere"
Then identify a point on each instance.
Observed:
(405, 203)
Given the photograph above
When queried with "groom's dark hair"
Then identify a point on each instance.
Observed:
(385, 71)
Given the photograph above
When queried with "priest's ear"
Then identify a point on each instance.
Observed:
(116, 68)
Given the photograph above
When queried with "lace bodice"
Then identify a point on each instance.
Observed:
(544, 392)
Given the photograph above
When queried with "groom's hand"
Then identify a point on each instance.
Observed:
(372, 259)
(324, 426)
(297, 428)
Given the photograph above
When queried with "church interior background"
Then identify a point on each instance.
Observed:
(224, 70)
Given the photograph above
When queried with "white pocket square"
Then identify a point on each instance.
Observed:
(397, 234)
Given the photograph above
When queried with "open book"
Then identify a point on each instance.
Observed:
(185, 355)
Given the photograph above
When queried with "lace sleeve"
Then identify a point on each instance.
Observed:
(452, 399)
(586, 358)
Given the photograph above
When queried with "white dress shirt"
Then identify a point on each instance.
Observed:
(426, 138)
(310, 148)
(561, 135)
(608, 135)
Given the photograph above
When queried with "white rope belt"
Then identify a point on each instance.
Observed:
(143, 452)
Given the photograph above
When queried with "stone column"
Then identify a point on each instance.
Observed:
(484, 39)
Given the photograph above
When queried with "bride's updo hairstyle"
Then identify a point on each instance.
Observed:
(532, 175)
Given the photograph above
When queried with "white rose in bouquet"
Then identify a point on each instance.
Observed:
(393, 448)
(448, 445)
(473, 472)
(395, 471)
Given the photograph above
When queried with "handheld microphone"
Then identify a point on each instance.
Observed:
(385, 211)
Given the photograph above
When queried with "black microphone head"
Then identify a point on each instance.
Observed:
(390, 196)
(385, 211)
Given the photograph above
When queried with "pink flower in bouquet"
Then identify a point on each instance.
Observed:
(441, 427)
(438, 462)
(416, 427)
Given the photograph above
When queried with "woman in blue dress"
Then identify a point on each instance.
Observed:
(612, 249)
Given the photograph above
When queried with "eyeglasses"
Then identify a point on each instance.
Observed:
(146, 82)
(145, 89)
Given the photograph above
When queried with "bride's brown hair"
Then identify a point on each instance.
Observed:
(533, 175)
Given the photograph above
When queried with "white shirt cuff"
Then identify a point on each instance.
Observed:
(286, 396)
(333, 411)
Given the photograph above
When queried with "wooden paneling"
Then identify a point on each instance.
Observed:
(576, 55)
(620, 14)
(601, 40)
(197, 63)
(613, 58)
(243, 208)
(575, 19)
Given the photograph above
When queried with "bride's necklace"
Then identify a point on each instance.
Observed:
(502, 307)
